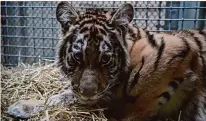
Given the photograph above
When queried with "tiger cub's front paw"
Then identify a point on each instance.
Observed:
(25, 108)
(65, 98)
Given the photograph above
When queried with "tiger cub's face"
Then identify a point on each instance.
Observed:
(93, 50)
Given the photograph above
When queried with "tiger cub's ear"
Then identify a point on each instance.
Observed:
(123, 15)
(66, 14)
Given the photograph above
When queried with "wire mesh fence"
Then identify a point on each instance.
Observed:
(30, 31)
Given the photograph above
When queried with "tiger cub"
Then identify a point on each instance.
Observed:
(93, 54)
(168, 78)
(98, 50)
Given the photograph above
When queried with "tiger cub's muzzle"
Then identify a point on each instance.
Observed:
(88, 85)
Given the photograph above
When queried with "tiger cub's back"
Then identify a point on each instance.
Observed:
(169, 75)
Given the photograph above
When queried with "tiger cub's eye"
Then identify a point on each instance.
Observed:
(105, 58)
(78, 55)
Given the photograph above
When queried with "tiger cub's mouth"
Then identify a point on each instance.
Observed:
(88, 100)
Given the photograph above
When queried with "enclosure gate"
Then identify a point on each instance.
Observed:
(30, 31)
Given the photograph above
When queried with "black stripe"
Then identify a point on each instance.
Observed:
(103, 31)
(85, 16)
(136, 39)
(123, 33)
(202, 33)
(119, 30)
(183, 52)
(62, 49)
(152, 41)
(64, 30)
(110, 25)
(134, 82)
(86, 36)
(101, 19)
(132, 34)
(204, 102)
(166, 95)
(72, 62)
(112, 63)
(146, 32)
(64, 69)
(96, 12)
(131, 48)
(138, 33)
(159, 54)
(104, 26)
(173, 84)
(82, 30)
(91, 21)
(199, 44)
(86, 22)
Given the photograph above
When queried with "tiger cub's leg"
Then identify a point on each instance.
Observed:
(181, 91)
(27, 108)
(168, 103)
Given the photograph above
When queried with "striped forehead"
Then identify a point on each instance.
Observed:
(97, 20)
(98, 15)
(92, 26)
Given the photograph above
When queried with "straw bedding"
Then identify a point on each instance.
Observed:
(38, 82)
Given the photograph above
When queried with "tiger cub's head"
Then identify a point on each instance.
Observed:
(93, 51)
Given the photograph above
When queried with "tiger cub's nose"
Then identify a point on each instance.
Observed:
(88, 90)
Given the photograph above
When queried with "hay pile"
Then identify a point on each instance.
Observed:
(38, 82)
